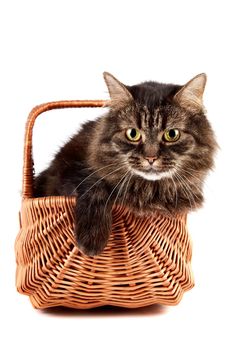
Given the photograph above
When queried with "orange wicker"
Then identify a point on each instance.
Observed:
(146, 261)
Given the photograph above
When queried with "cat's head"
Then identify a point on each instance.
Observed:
(157, 130)
(159, 134)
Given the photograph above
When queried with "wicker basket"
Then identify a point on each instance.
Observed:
(146, 261)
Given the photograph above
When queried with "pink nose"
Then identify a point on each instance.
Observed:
(151, 159)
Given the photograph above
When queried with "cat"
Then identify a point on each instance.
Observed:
(150, 152)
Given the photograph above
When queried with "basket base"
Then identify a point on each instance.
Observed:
(146, 262)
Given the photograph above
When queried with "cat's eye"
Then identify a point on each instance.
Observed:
(171, 135)
(133, 135)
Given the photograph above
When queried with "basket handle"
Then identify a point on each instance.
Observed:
(28, 164)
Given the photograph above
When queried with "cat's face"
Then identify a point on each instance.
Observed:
(159, 131)
(154, 143)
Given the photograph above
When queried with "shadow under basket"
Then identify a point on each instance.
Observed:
(146, 261)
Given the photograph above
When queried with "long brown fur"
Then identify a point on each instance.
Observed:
(97, 164)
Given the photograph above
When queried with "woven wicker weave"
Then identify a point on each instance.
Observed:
(146, 261)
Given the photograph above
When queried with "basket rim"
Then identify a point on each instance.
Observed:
(49, 198)
(70, 201)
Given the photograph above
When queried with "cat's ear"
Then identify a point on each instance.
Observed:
(119, 94)
(190, 96)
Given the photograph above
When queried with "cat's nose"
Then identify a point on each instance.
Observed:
(151, 159)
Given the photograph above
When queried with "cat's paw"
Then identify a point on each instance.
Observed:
(91, 243)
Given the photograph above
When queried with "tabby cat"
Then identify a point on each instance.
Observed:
(150, 152)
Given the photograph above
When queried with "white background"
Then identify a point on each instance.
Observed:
(52, 50)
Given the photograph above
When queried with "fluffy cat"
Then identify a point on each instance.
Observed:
(151, 151)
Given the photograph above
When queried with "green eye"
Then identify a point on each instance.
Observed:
(133, 135)
(171, 135)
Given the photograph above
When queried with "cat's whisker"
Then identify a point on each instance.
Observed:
(197, 183)
(185, 168)
(130, 177)
(183, 182)
(175, 186)
(94, 172)
(103, 177)
(181, 170)
(122, 179)
(178, 167)
(190, 168)
(185, 189)
(190, 191)
(191, 184)
(121, 187)
(118, 183)
(201, 181)
(197, 179)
